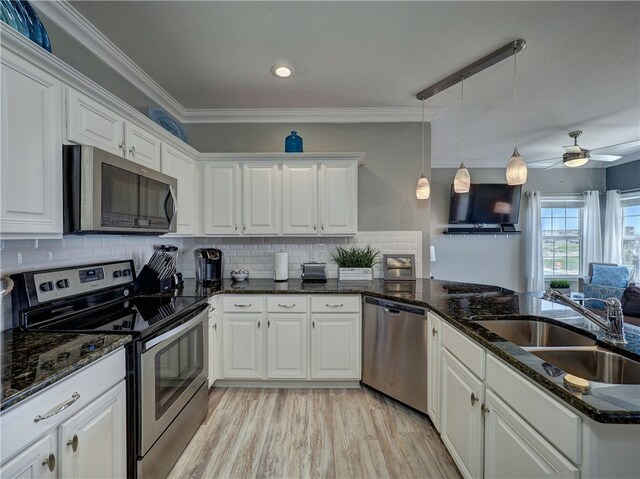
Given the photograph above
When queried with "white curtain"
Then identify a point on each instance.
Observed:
(534, 270)
(613, 228)
(591, 230)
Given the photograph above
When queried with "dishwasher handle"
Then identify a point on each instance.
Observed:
(393, 312)
(393, 307)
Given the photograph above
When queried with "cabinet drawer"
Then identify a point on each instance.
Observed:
(18, 425)
(287, 303)
(558, 424)
(243, 304)
(468, 352)
(335, 303)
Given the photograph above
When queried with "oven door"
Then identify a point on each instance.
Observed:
(173, 367)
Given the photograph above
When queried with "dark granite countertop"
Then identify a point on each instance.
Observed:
(33, 361)
(459, 304)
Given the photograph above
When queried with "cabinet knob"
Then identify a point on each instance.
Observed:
(315, 227)
(313, 324)
(485, 409)
(434, 331)
(268, 324)
(123, 147)
(50, 462)
(73, 443)
(215, 326)
(259, 322)
(474, 399)
(132, 150)
(322, 226)
(236, 227)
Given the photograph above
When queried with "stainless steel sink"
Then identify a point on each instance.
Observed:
(530, 333)
(593, 364)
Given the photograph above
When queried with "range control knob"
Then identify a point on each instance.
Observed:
(117, 273)
(46, 286)
(126, 272)
(62, 284)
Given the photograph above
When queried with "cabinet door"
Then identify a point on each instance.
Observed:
(242, 346)
(433, 370)
(261, 198)
(514, 449)
(142, 146)
(91, 123)
(93, 441)
(183, 168)
(287, 346)
(335, 346)
(214, 342)
(300, 199)
(339, 198)
(221, 199)
(461, 415)
(31, 136)
(39, 460)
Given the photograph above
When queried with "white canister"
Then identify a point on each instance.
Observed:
(281, 266)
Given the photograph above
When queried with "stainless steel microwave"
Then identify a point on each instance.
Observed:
(104, 193)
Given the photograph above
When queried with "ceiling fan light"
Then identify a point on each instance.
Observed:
(574, 160)
(462, 180)
(423, 189)
(516, 169)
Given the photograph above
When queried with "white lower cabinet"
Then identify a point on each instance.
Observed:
(287, 345)
(242, 345)
(513, 449)
(92, 441)
(433, 368)
(76, 428)
(461, 415)
(335, 346)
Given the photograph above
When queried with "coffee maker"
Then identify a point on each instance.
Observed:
(208, 265)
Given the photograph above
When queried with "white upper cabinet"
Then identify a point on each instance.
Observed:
(300, 198)
(183, 168)
(339, 197)
(221, 192)
(142, 146)
(261, 198)
(31, 165)
(91, 123)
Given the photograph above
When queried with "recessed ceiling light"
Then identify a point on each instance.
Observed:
(282, 71)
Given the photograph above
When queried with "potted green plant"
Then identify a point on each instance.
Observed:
(561, 285)
(356, 263)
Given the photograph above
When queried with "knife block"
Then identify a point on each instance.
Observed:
(148, 282)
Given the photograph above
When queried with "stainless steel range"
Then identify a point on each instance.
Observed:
(166, 362)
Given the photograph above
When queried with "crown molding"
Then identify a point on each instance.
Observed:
(82, 30)
(311, 115)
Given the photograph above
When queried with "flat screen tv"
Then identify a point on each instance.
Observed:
(486, 203)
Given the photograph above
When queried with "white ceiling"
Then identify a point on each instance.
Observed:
(580, 70)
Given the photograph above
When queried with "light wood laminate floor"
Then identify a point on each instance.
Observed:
(319, 433)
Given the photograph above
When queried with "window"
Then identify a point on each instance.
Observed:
(561, 237)
(631, 230)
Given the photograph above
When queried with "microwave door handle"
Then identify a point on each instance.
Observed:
(172, 195)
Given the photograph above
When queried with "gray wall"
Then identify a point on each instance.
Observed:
(624, 177)
(77, 56)
(495, 260)
(386, 179)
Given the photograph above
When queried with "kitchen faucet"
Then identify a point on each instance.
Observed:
(613, 327)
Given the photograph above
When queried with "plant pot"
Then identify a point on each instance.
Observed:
(565, 291)
(355, 274)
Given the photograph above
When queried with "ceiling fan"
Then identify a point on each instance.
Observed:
(575, 155)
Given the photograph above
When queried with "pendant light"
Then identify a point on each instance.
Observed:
(423, 189)
(516, 168)
(462, 180)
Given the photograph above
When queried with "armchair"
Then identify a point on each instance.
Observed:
(604, 286)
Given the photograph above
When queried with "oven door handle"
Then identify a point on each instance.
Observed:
(175, 331)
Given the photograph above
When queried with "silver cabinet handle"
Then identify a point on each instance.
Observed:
(57, 409)
(334, 305)
(50, 462)
(474, 399)
(132, 150)
(73, 443)
(434, 331)
(286, 305)
(242, 305)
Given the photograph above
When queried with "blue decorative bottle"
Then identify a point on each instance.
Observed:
(293, 143)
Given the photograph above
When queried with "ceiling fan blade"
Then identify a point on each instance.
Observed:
(572, 149)
(622, 149)
(552, 166)
(547, 159)
(604, 157)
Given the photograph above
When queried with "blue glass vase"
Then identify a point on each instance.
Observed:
(293, 143)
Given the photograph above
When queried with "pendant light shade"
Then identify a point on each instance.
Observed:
(516, 169)
(462, 180)
(423, 189)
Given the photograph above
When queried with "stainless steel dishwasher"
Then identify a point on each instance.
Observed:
(394, 350)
